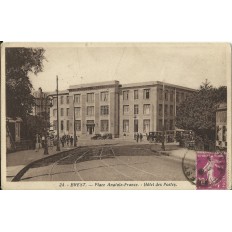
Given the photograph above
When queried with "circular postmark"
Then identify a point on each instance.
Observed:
(189, 166)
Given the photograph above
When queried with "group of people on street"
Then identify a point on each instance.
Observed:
(138, 137)
(52, 141)
(67, 139)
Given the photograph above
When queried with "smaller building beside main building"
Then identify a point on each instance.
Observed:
(122, 110)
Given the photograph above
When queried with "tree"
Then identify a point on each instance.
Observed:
(19, 63)
(36, 125)
(197, 112)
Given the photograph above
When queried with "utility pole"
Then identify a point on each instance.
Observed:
(57, 106)
(74, 123)
(163, 138)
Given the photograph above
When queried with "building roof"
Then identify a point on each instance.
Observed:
(95, 84)
(155, 83)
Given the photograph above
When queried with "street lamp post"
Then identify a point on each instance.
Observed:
(74, 123)
(163, 132)
(57, 106)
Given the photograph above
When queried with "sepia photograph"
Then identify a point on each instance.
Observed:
(116, 115)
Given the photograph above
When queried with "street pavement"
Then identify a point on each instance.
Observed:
(128, 161)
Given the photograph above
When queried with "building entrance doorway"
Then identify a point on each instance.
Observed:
(90, 127)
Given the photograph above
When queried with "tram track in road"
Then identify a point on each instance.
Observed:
(55, 164)
(110, 166)
(75, 165)
(130, 166)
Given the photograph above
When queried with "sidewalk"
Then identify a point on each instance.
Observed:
(16, 161)
(189, 155)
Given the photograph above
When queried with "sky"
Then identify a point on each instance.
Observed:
(181, 64)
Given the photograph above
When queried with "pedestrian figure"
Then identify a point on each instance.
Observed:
(124, 136)
(137, 137)
(67, 140)
(71, 140)
(141, 137)
(62, 141)
(43, 141)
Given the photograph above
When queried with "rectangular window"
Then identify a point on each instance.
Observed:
(146, 109)
(125, 125)
(171, 110)
(55, 125)
(146, 93)
(62, 100)
(90, 97)
(61, 112)
(67, 99)
(77, 111)
(160, 109)
(67, 111)
(146, 126)
(90, 110)
(55, 113)
(136, 125)
(165, 124)
(54, 101)
(125, 109)
(104, 96)
(126, 95)
(67, 125)
(160, 94)
(77, 98)
(78, 125)
(166, 95)
(171, 96)
(104, 110)
(104, 125)
(136, 109)
(62, 125)
(160, 124)
(166, 109)
(136, 94)
(171, 126)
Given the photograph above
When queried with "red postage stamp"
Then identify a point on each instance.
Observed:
(211, 170)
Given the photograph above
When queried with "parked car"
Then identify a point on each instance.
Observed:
(107, 136)
(96, 137)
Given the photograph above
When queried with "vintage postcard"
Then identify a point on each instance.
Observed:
(116, 116)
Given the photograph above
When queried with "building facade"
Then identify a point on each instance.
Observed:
(92, 108)
(41, 103)
(122, 110)
(150, 106)
(221, 127)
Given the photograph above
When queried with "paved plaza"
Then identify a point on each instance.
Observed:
(105, 160)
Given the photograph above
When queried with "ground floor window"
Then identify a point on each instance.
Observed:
(78, 125)
(125, 125)
(146, 125)
(136, 125)
(171, 125)
(67, 125)
(62, 125)
(104, 125)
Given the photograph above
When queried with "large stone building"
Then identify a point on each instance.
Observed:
(41, 103)
(122, 110)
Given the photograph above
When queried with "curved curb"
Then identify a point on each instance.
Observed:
(20, 174)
